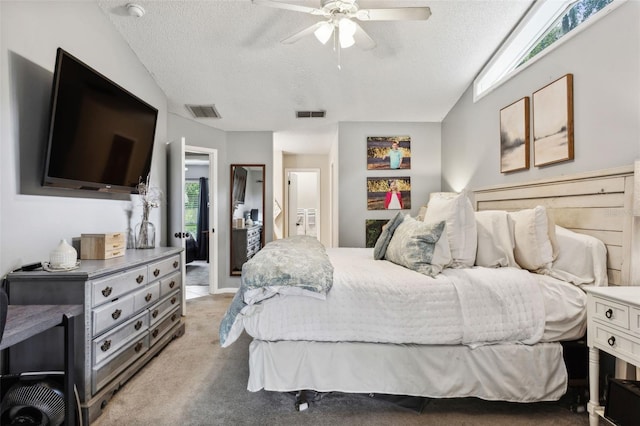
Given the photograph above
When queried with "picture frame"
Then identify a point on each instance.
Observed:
(388, 152)
(373, 229)
(553, 122)
(381, 191)
(514, 136)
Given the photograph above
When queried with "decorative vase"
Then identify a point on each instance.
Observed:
(63, 256)
(145, 231)
(145, 235)
(131, 239)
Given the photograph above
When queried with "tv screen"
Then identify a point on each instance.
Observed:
(100, 135)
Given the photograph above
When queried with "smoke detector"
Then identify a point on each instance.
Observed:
(135, 10)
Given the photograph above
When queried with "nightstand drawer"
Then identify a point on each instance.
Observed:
(610, 312)
(618, 344)
(634, 321)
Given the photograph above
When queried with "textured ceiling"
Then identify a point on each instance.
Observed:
(228, 53)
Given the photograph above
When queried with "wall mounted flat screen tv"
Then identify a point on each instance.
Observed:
(100, 135)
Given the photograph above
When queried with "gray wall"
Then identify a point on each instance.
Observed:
(34, 219)
(425, 172)
(604, 60)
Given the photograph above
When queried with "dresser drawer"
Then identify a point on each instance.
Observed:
(158, 311)
(164, 267)
(146, 296)
(110, 342)
(112, 314)
(105, 372)
(618, 344)
(170, 283)
(162, 327)
(634, 321)
(107, 289)
(609, 312)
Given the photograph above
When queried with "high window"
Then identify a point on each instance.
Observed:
(545, 26)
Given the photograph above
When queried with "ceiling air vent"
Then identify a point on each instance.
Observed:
(311, 114)
(203, 111)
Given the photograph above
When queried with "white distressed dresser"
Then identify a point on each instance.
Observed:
(132, 310)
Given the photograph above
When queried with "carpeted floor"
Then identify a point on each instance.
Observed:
(195, 382)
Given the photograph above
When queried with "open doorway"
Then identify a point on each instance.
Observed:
(197, 226)
(302, 202)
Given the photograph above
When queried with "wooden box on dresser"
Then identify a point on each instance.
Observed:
(132, 310)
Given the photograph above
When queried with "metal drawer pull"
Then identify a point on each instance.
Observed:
(155, 333)
(156, 272)
(172, 284)
(139, 279)
(148, 297)
(116, 314)
(138, 325)
(106, 345)
(173, 317)
(154, 313)
(175, 264)
(138, 347)
(106, 291)
(611, 341)
(173, 300)
(609, 313)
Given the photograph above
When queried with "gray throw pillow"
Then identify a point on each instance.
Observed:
(413, 246)
(385, 236)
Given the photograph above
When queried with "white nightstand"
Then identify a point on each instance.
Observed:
(613, 326)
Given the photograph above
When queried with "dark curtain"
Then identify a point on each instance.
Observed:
(203, 221)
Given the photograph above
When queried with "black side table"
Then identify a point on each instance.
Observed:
(24, 321)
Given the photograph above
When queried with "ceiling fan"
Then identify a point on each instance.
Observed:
(339, 20)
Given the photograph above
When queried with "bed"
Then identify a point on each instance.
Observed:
(381, 327)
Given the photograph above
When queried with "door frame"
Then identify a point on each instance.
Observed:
(317, 171)
(213, 212)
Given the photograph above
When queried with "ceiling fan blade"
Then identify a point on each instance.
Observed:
(297, 36)
(287, 6)
(363, 40)
(397, 14)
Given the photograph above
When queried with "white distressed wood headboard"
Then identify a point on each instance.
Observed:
(599, 203)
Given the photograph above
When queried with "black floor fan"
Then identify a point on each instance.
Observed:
(34, 399)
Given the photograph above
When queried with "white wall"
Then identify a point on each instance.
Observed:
(31, 220)
(425, 172)
(604, 60)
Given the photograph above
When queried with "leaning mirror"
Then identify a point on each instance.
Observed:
(247, 210)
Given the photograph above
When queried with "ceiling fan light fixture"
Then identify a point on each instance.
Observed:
(347, 28)
(323, 32)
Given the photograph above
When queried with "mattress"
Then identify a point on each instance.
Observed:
(491, 372)
(380, 302)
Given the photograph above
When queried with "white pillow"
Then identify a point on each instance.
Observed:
(496, 239)
(536, 247)
(582, 259)
(457, 211)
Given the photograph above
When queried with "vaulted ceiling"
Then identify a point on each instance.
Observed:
(228, 53)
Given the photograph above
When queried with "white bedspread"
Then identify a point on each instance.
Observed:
(378, 301)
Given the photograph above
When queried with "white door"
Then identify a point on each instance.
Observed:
(175, 204)
(292, 208)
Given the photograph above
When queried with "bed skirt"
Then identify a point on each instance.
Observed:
(505, 372)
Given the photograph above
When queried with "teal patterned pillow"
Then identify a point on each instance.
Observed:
(385, 236)
(413, 246)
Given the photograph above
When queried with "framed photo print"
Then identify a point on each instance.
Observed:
(514, 136)
(388, 152)
(389, 193)
(373, 229)
(553, 122)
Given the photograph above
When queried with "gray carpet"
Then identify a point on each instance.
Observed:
(197, 273)
(195, 382)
